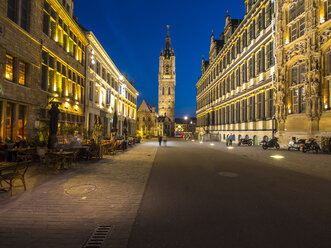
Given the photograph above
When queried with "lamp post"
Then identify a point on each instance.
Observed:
(185, 118)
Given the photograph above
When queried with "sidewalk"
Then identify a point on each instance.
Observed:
(64, 209)
(309, 163)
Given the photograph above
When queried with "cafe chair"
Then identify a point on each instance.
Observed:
(15, 173)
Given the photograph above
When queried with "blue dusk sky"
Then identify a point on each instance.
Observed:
(133, 33)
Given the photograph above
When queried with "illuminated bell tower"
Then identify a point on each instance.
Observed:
(167, 81)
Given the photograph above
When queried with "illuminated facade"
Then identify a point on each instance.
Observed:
(42, 60)
(235, 90)
(303, 77)
(108, 91)
(63, 62)
(146, 120)
(167, 84)
(20, 96)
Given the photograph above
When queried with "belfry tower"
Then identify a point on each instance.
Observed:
(167, 81)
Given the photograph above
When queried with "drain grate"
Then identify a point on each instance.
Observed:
(98, 237)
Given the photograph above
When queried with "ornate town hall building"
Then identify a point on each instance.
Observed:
(303, 85)
(167, 83)
(234, 92)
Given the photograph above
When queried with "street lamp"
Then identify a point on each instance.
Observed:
(185, 118)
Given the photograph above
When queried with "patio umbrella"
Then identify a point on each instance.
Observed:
(129, 126)
(53, 125)
(125, 127)
(114, 123)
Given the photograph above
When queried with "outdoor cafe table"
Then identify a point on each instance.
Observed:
(12, 153)
(69, 156)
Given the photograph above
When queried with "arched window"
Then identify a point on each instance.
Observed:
(169, 91)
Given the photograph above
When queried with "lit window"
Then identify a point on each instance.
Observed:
(22, 73)
(9, 67)
(21, 130)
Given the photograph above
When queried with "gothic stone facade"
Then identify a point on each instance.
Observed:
(146, 120)
(303, 85)
(234, 92)
(167, 83)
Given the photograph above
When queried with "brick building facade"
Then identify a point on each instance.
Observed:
(42, 59)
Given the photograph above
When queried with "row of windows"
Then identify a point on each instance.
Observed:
(248, 70)
(259, 62)
(262, 21)
(57, 30)
(259, 107)
(57, 78)
(16, 70)
(106, 76)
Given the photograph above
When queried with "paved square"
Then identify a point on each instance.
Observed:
(64, 209)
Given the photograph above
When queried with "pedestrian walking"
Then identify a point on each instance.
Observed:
(227, 140)
(230, 139)
(160, 140)
(165, 139)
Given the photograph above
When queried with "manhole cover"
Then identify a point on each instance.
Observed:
(80, 189)
(228, 174)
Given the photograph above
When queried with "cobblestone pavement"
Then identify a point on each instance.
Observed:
(63, 210)
(307, 163)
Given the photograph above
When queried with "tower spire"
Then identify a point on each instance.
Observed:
(168, 51)
(168, 41)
